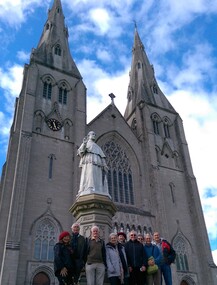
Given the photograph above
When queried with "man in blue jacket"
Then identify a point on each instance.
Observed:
(154, 257)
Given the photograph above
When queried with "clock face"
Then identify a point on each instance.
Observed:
(54, 124)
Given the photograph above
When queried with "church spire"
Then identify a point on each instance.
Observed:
(143, 86)
(53, 46)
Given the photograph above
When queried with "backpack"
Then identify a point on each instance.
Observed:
(169, 252)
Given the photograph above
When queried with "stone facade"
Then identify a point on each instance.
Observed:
(150, 177)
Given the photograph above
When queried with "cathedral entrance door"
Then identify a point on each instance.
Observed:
(41, 279)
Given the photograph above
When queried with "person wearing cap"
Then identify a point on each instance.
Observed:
(122, 237)
(63, 260)
(78, 244)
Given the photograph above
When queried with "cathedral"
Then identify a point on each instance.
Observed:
(150, 176)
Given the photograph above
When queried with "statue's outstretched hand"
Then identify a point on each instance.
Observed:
(85, 140)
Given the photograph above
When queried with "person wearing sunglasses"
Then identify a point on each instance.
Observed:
(136, 259)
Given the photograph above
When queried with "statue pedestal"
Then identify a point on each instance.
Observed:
(94, 209)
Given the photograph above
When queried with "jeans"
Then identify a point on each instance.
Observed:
(95, 273)
(167, 274)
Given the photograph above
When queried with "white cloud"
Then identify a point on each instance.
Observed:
(23, 56)
(103, 55)
(15, 12)
(214, 254)
(101, 19)
(11, 82)
(159, 23)
(100, 84)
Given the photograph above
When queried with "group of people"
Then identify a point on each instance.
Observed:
(138, 261)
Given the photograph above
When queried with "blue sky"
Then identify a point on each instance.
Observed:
(180, 41)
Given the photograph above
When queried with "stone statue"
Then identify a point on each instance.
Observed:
(94, 168)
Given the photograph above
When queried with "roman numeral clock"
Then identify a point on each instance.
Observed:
(54, 124)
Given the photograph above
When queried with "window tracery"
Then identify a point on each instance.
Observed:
(181, 254)
(47, 88)
(63, 94)
(44, 240)
(57, 50)
(156, 121)
(120, 181)
(166, 124)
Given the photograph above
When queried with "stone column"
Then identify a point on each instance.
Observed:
(94, 209)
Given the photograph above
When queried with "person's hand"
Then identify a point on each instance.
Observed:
(64, 272)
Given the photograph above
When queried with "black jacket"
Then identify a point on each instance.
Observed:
(63, 257)
(79, 247)
(135, 253)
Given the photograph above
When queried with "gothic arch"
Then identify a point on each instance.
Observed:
(65, 84)
(57, 49)
(156, 120)
(139, 64)
(166, 126)
(115, 136)
(166, 150)
(44, 232)
(122, 163)
(48, 78)
(184, 259)
(67, 124)
(187, 280)
(46, 270)
(158, 154)
(176, 159)
(46, 215)
(39, 117)
(154, 87)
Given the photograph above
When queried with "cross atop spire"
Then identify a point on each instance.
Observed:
(135, 24)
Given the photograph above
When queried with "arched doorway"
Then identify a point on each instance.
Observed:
(184, 283)
(41, 278)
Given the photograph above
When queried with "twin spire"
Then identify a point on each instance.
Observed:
(143, 87)
(53, 47)
(53, 50)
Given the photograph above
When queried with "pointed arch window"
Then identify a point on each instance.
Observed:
(155, 90)
(44, 241)
(166, 128)
(47, 89)
(181, 254)
(120, 180)
(63, 94)
(156, 121)
(57, 50)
